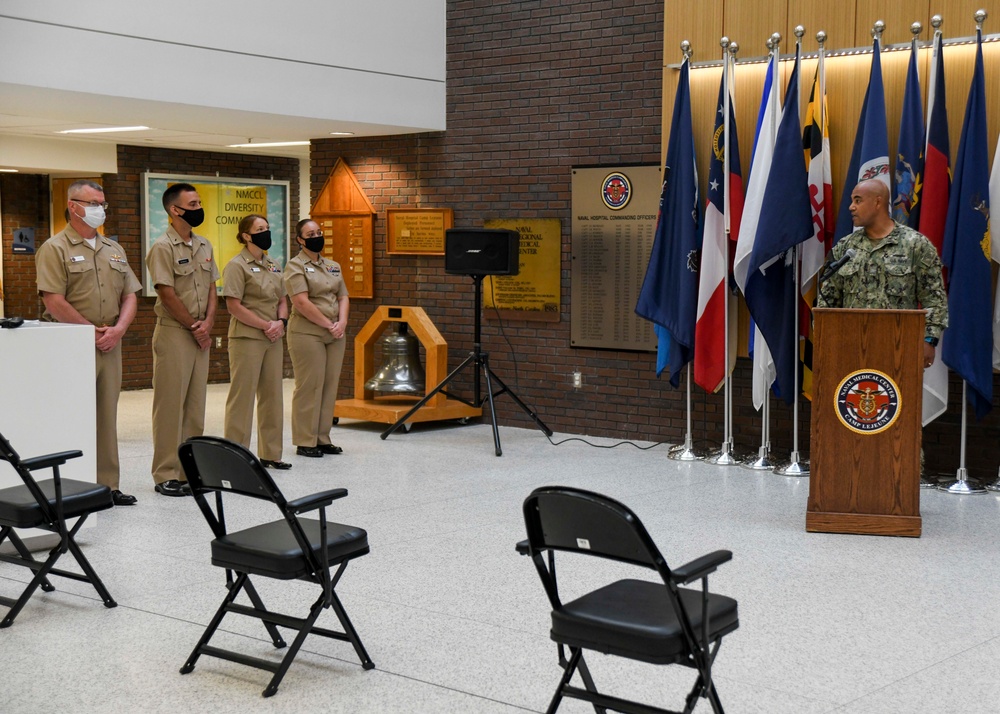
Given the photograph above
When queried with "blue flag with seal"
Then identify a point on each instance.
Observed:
(968, 343)
(910, 150)
(785, 221)
(669, 295)
(870, 157)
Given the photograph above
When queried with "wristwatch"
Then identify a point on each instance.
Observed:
(284, 321)
(932, 341)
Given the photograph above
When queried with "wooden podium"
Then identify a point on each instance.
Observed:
(866, 412)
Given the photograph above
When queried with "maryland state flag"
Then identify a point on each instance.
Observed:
(816, 145)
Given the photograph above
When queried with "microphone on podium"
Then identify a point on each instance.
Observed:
(836, 265)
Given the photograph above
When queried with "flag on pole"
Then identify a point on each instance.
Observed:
(785, 221)
(870, 157)
(910, 150)
(968, 346)
(713, 293)
(760, 167)
(937, 155)
(995, 249)
(932, 205)
(816, 146)
(669, 294)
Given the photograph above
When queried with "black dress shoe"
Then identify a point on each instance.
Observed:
(280, 465)
(311, 451)
(123, 499)
(173, 487)
(330, 449)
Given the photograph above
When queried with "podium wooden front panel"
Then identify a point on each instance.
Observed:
(866, 483)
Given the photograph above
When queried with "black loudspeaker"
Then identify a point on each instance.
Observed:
(481, 251)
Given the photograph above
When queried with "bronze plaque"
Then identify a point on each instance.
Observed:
(614, 221)
(417, 231)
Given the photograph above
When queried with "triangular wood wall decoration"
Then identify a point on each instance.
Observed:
(342, 193)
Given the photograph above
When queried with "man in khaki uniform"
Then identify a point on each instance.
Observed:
(183, 271)
(84, 278)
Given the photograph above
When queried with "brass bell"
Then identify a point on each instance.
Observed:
(401, 371)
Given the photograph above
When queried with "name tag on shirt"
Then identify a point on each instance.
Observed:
(310, 270)
(183, 261)
(77, 259)
(254, 270)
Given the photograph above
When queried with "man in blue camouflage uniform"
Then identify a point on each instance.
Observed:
(894, 266)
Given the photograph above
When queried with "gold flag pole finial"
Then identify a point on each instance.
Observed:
(915, 29)
(686, 50)
(821, 38)
(980, 18)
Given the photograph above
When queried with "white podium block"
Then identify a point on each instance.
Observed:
(48, 397)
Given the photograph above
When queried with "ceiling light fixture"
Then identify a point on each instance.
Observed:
(8, 171)
(104, 130)
(341, 133)
(262, 145)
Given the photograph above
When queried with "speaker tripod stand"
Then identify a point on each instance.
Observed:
(479, 361)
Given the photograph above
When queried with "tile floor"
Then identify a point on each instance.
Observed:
(456, 621)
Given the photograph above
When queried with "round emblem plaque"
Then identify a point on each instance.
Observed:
(867, 401)
(616, 191)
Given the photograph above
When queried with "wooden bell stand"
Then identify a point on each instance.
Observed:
(388, 410)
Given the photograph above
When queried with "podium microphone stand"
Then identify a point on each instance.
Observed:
(478, 361)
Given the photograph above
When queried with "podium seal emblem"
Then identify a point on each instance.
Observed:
(616, 191)
(867, 401)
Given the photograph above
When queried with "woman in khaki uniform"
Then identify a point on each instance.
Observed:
(255, 298)
(315, 340)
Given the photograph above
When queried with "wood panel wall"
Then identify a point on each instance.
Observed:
(847, 25)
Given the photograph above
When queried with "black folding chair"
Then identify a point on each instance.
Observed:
(287, 549)
(47, 505)
(659, 623)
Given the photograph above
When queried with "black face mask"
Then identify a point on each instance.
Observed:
(314, 244)
(262, 240)
(194, 217)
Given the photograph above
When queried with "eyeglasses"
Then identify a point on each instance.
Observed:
(93, 204)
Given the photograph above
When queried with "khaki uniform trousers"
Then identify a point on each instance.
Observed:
(317, 360)
(255, 368)
(180, 376)
(108, 367)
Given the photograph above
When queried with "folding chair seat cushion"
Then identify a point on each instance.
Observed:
(635, 619)
(18, 508)
(271, 549)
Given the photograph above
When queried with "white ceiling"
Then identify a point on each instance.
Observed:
(207, 75)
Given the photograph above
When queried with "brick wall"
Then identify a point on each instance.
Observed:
(25, 201)
(535, 88)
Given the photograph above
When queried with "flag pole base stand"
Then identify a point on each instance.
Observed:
(927, 482)
(995, 485)
(796, 468)
(962, 485)
(761, 462)
(685, 452)
(723, 457)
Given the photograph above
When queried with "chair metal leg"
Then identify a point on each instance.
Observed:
(293, 649)
(7, 533)
(352, 634)
(40, 577)
(92, 576)
(234, 590)
(574, 658)
(588, 682)
(272, 630)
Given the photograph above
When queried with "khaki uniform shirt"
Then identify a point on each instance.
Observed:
(190, 270)
(258, 285)
(900, 272)
(92, 280)
(323, 282)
